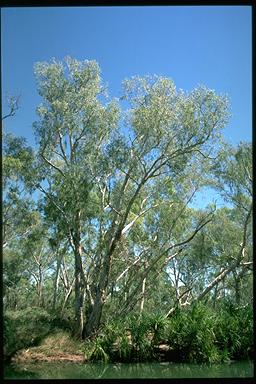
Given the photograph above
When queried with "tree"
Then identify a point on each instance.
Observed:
(233, 175)
(99, 180)
(17, 205)
(73, 123)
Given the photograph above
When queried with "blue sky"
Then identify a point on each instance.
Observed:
(208, 45)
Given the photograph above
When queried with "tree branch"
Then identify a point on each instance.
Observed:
(52, 165)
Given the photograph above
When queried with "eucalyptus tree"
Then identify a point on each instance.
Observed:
(73, 127)
(101, 167)
(19, 217)
(167, 132)
(222, 252)
(13, 106)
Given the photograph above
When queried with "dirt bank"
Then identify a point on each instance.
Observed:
(32, 355)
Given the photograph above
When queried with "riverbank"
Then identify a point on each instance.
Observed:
(41, 354)
(59, 347)
(198, 335)
(30, 356)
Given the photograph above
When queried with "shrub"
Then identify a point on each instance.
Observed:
(191, 335)
(234, 332)
(200, 334)
(24, 328)
(196, 334)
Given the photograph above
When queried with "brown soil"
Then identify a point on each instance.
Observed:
(26, 356)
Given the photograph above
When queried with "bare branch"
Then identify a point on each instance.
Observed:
(13, 105)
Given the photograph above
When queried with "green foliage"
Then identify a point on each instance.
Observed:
(132, 340)
(24, 328)
(97, 353)
(203, 335)
(234, 332)
(140, 327)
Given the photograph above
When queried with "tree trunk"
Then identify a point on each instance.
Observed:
(215, 295)
(56, 282)
(67, 297)
(99, 297)
(94, 316)
(143, 296)
(79, 294)
(79, 278)
(40, 287)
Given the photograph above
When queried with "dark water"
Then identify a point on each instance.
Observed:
(128, 371)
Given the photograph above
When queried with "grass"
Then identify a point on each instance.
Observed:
(59, 342)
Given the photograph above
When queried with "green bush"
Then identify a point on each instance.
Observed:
(200, 334)
(197, 334)
(24, 328)
(192, 336)
(234, 332)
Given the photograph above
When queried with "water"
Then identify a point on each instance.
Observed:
(127, 371)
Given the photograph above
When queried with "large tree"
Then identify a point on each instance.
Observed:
(105, 171)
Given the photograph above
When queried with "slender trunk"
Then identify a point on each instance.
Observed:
(67, 297)
(79, 294)
(143, 296)
(79, 279)
(238, 291)
(215, 295)
(238, 285)
(56, 283)
(100, 296)
(40, 287)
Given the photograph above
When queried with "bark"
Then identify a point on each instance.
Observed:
(238, 278)
(56, 283)
(238, 290)
(99, 297)
(79, 292)
(94, 315)
(143, 296)
(40, 287)
(215, 295)
(79, 278)
(67, 296)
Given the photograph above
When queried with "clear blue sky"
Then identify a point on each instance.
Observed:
(208, 45)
